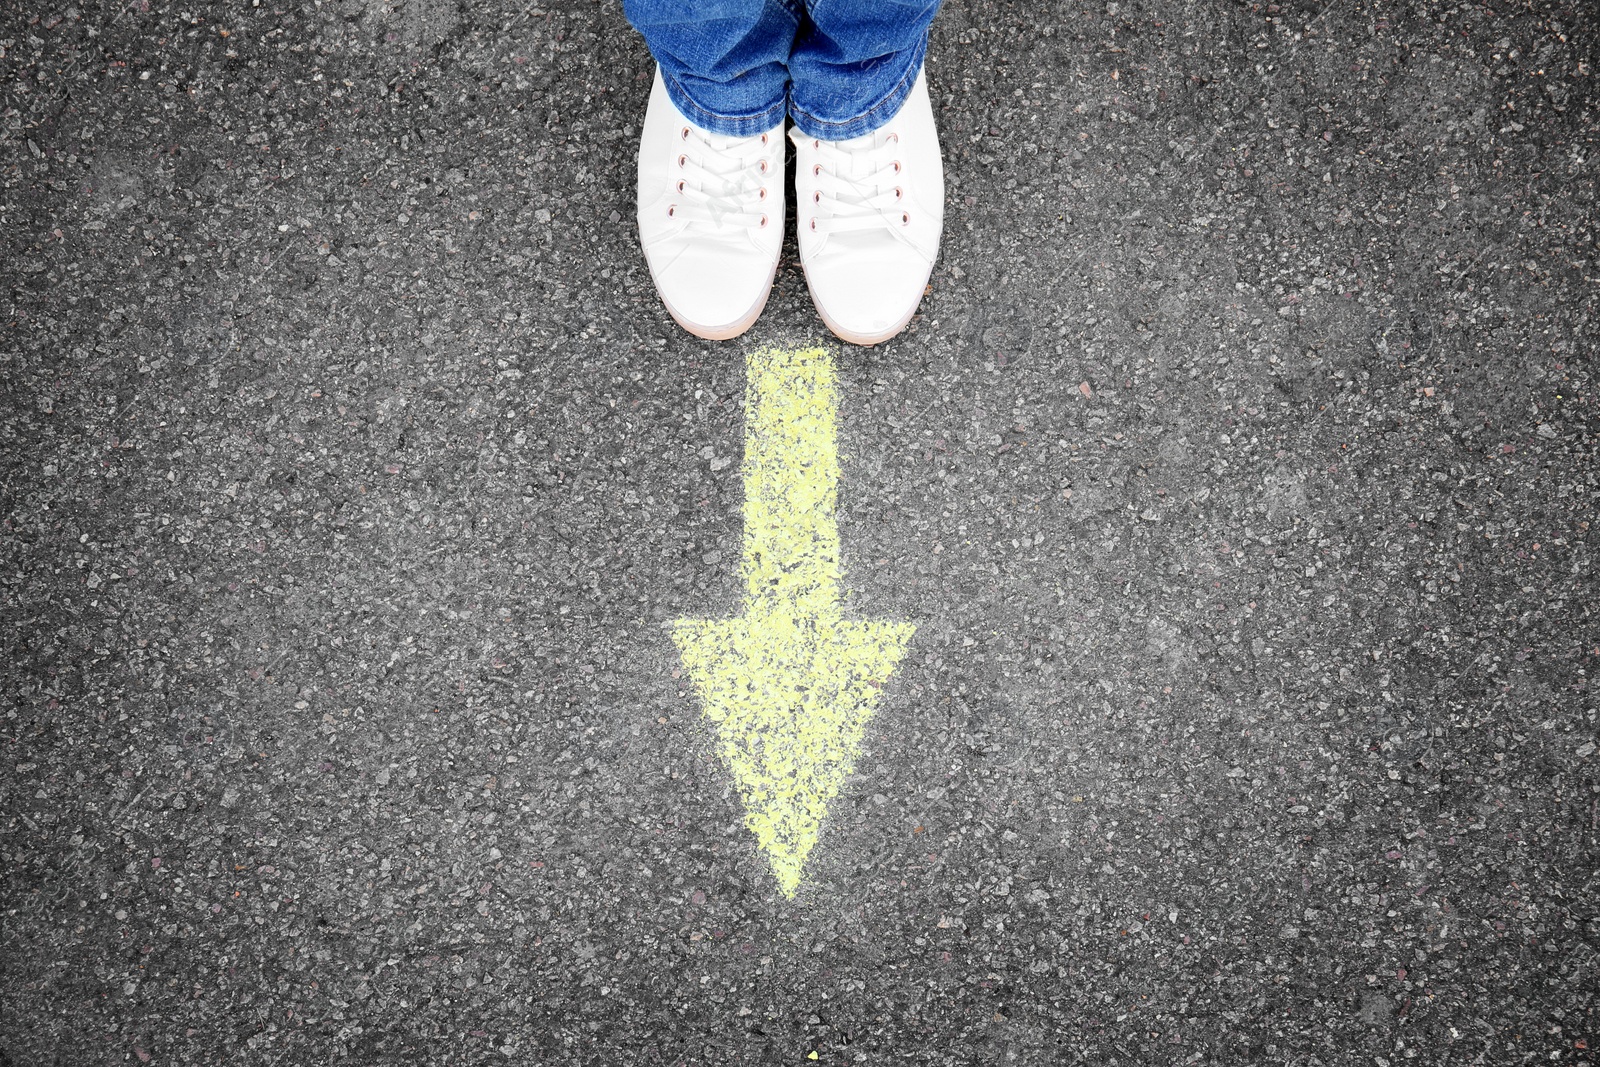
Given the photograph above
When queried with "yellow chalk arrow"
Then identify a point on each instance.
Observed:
(790, 683)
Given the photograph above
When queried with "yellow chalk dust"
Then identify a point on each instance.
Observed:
(790, 683)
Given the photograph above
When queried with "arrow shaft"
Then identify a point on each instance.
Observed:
(791, 485)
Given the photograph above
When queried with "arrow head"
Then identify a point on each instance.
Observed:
(791, 698)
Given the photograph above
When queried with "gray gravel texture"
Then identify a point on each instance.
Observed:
(1239, 474)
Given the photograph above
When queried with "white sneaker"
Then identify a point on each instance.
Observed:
(710, 218)
(871, 210)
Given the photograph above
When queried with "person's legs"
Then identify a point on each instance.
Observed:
(854, 63)
(724, 62)
(869, 179)
(711, 194)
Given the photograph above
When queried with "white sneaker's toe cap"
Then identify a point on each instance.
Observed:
(866, 298)
(711, 293)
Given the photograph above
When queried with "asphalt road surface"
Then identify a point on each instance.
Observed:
(1238, 477)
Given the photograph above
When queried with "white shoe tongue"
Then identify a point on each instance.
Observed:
(861, 167)
(864, 162)
(853, 158)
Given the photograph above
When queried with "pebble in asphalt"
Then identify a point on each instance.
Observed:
(1239, 476)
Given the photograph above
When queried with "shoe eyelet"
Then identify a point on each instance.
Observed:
(672, 210)
(815, 144)
(897, 166)
(762, 195)
(685, 134)
(905, 218)
(683, 161)
(680, 185)
(816, 197)
(763, 222)
(762, 166)
(763, 138)
(813, 225)
(816, 170)
(898, 195)
(894, 137)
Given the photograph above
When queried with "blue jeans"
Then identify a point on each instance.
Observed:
(840, 68)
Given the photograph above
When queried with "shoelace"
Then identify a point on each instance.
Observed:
(727, 196)
(874, 200)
